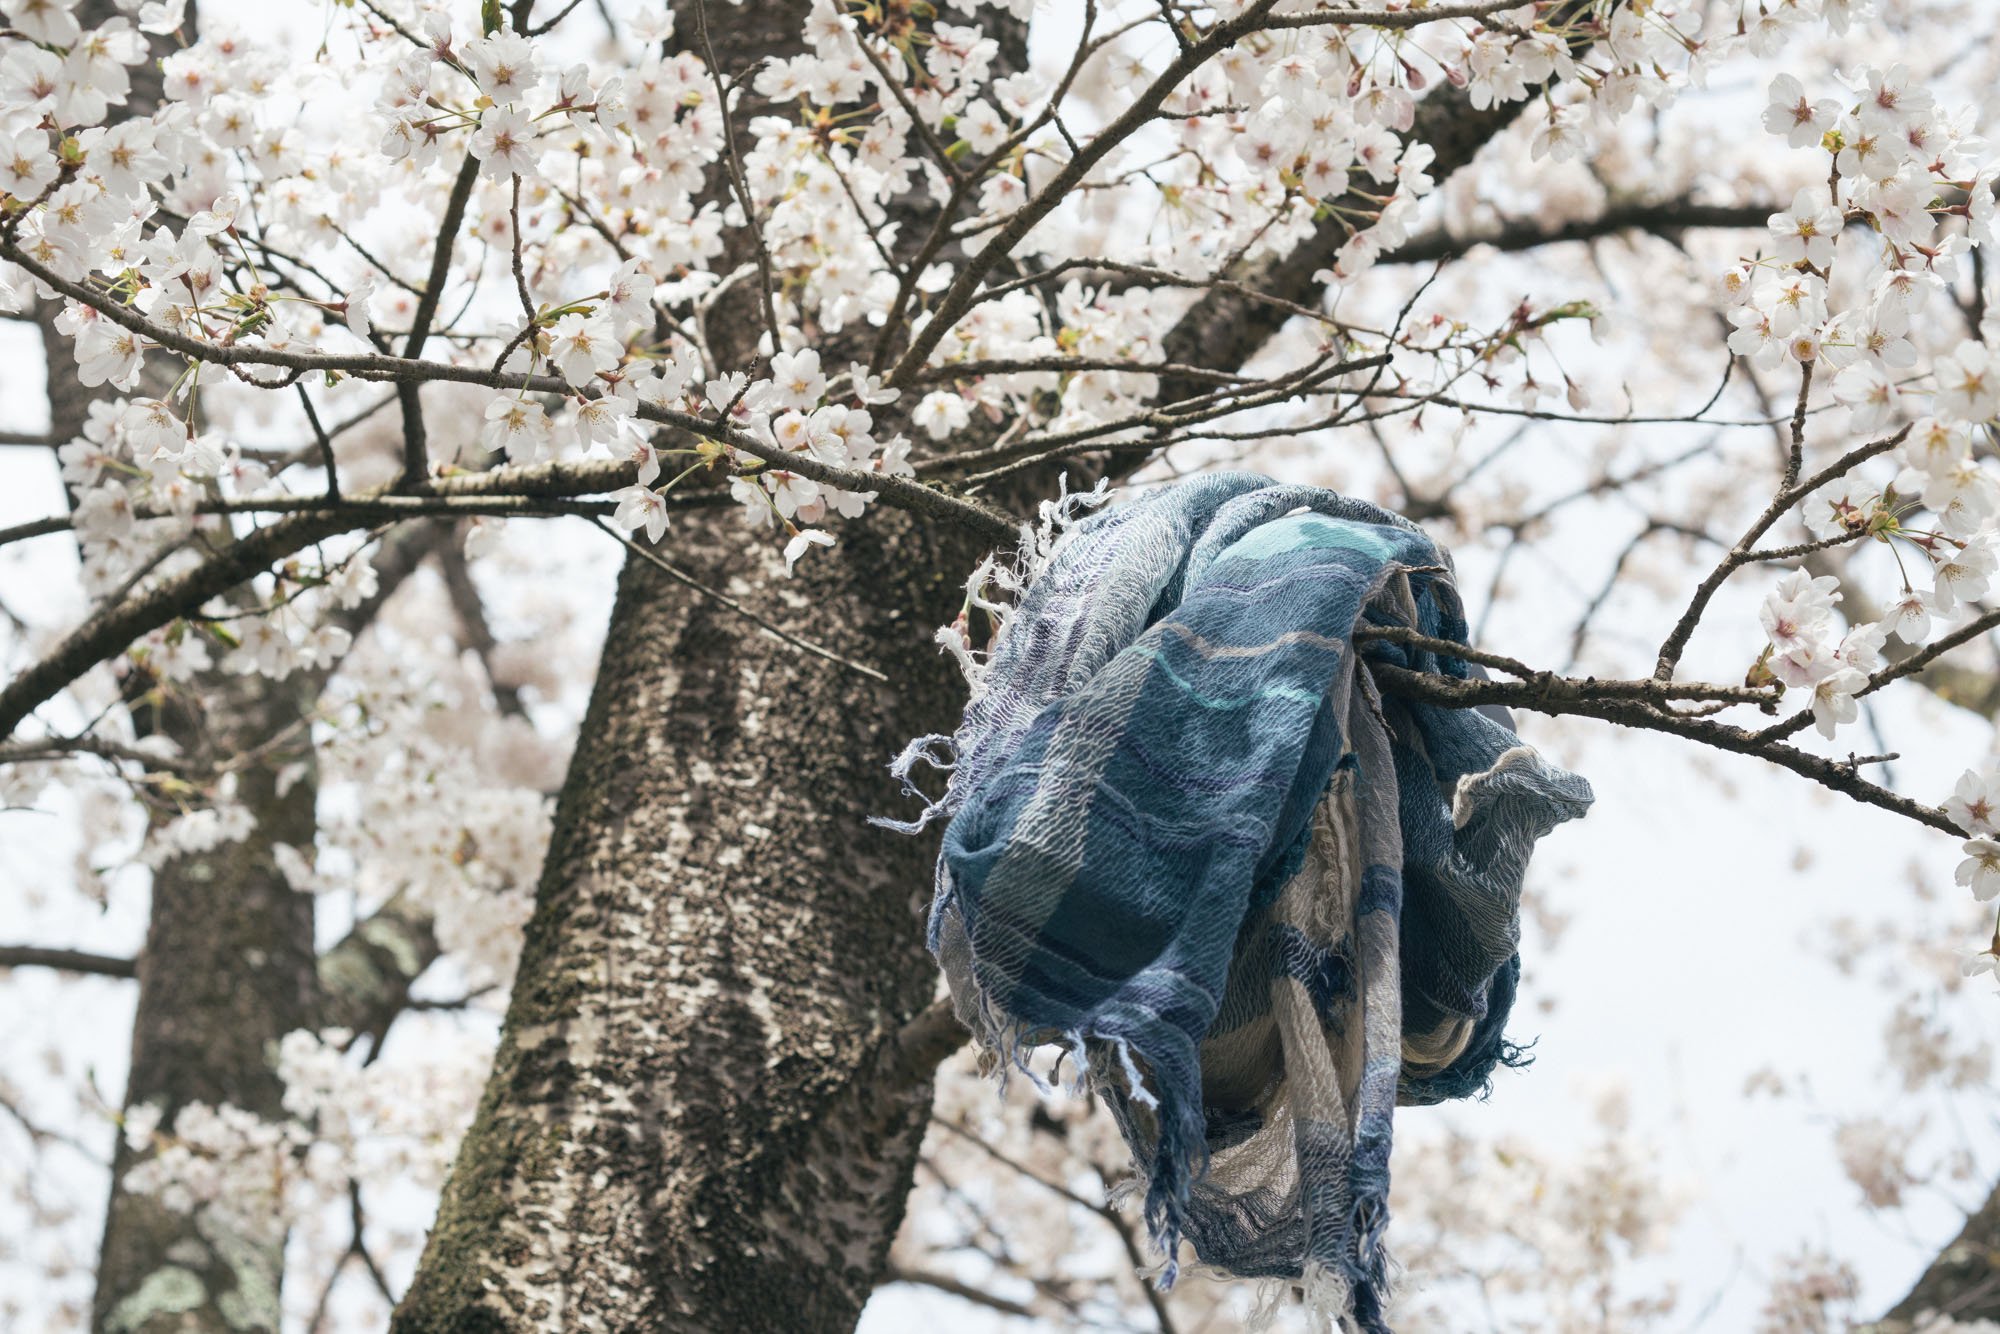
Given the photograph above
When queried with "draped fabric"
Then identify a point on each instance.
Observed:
(1261, 901)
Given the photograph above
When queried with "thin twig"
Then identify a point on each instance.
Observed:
(1744, 551)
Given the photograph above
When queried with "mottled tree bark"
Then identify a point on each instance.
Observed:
(684, 1129)
(1963, 1282)
(365, 978)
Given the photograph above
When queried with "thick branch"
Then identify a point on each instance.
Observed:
(365, 979)
(1962, 1282)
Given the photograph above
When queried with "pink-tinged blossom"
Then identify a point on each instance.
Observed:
(1794, 300)
(982, 127)
(505, 66)
(356, 315)
(108, 353)
(1558, 136)
(796, 381)
(1800, 608)
(868, 388)
(1965, 576)
(1908, 615)
(1892, 100)
(1806, 231)
(1869, 394)
(582, 346)
(628, 299)
(153, 430)
(1833, 701)
(790, 493)
(517, 426)
(50, 22)
(26, 165)
(600, 420)
(1968, 384)
(504, 143)
(1844, 505)
(940, 413)
(1791, 113)
(1861, 647)
(1963, 495)
(643, 452)
(1975, 803)
(725, 390)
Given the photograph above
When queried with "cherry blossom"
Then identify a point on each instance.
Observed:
(642, 507)
(581, 346)
(1975, 802)
(801, 541)
(796, 380)
(505, 143)
(1802, 121)
(1980, 871)
(1805, 233)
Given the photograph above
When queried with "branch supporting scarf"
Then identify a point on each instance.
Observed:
(1190, 841)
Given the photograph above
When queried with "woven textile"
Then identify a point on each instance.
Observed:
(1260, 901)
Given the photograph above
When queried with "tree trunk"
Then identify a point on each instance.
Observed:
(684, 1129)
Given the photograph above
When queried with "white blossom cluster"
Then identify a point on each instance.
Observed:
(225, 1160)
(1974, 806)
(439, 802)
(1896, 161)
(216, 218)
(1849, 287)
(389, 1124)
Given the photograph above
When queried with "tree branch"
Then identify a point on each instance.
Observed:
(67, 961)
(1665, 216)
(1567, 695)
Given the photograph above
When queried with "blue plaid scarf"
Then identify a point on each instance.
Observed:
(1259, 900)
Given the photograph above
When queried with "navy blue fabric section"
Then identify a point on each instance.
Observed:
(1381, 891)
(1327, 971)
